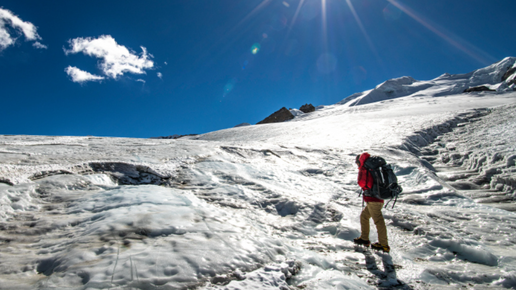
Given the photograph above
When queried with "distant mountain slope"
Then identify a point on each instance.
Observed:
(499, 77)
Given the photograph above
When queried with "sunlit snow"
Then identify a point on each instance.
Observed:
(274, 206)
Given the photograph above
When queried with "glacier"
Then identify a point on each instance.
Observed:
(274, 206)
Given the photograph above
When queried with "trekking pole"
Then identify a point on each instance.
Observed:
(395, 199)
(359, 194)
(399, 190)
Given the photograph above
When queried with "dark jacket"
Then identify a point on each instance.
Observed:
(365, 179)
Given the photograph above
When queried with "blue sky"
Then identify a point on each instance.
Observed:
(156, 68)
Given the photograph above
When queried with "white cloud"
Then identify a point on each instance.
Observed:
(80, 76)
(115, 59)
(160, 75)
(27, 29)
(38, 44)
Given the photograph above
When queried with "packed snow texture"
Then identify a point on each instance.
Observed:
(272, 206)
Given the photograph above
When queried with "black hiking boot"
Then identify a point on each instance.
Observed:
(380, 247)
(361, 242)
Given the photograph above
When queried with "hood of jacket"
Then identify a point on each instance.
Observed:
(363, 157)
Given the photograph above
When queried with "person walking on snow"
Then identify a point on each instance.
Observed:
(373, 209)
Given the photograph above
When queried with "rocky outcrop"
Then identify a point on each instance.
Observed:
(478, 89)
(510, 77)
(508, 74)
(173, 136)
(242, 125)
(281, 115)
(307, 108)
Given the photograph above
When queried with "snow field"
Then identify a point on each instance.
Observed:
(272, 206)
(240, 206)
(141, 235)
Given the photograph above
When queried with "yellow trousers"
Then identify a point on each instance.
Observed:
(374, 210)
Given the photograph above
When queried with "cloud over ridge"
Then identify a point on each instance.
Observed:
(27, 29)
(115, 59)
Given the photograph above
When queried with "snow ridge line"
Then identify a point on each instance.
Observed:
(422, 138)
(478, 152)
(487, 148)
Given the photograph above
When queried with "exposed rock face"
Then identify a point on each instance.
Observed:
(307, 108)
(510, 76)
(281, 115)
(478, 89)
(242, 125)
(509, 73)
(175, 136)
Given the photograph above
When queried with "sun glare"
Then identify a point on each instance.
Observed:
(362, 28)
(460, 44)
(324, 24)
(289, 12)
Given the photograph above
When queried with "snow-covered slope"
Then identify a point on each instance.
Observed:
(272, 206)
(492, 77)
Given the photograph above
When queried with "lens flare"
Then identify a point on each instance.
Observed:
(255, 48)
(229, 86)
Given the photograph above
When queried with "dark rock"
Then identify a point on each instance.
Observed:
(47, 266)
(478, 89)
(307, 108)
(281, 115)
(173, 136)
(242, 125)
(508, 74)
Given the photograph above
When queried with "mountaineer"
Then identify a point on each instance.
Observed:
(373, 208)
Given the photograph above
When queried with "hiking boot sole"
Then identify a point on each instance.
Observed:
(378, 247)
(361, 242)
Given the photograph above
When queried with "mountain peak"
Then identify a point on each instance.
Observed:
(500, 77)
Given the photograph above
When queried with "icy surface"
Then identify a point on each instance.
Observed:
(271, 206)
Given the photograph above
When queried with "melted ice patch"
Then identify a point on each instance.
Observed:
(100, 179)
(143, 236)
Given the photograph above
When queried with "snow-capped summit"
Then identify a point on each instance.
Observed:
(498, 77)
(390, 89)
(493, 74)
